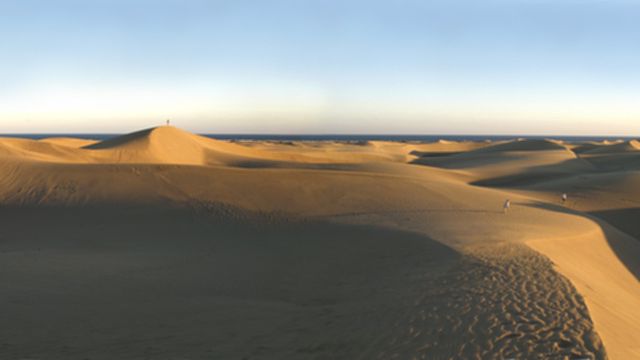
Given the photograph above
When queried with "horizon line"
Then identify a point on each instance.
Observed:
(329, 134)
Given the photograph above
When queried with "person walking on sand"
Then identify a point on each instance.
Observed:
(506, 206)
(564, 198)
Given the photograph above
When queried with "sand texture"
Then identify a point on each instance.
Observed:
(162, 244)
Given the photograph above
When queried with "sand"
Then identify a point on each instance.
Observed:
(162, 244)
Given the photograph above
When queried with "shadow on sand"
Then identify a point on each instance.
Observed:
(164, 283)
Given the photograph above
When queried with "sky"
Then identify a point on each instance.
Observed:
(561, 67)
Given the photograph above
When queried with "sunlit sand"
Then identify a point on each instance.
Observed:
(164, 244)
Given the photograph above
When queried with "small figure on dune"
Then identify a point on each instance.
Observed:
(506, 206)
(168, 122)
(564, 198)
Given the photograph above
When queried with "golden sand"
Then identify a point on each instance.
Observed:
(165, 244)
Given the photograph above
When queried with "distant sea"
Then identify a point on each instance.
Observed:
(351, 138)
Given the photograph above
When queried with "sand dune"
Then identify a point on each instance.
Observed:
(26, 150)
(169, 145)
(164, 244)
(608, 285)
(626, 146)
(513, 163)
(68, 142)
(524, 145)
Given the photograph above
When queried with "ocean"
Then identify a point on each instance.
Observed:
(342, 137)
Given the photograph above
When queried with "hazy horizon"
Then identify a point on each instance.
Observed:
(333, 136)
(562, 68)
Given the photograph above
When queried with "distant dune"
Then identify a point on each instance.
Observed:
(165, 244)
(621, 147)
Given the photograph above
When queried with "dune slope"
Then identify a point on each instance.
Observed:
(308, 250)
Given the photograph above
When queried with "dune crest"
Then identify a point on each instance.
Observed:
(156, 145)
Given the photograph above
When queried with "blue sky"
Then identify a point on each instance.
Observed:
(406, 66)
